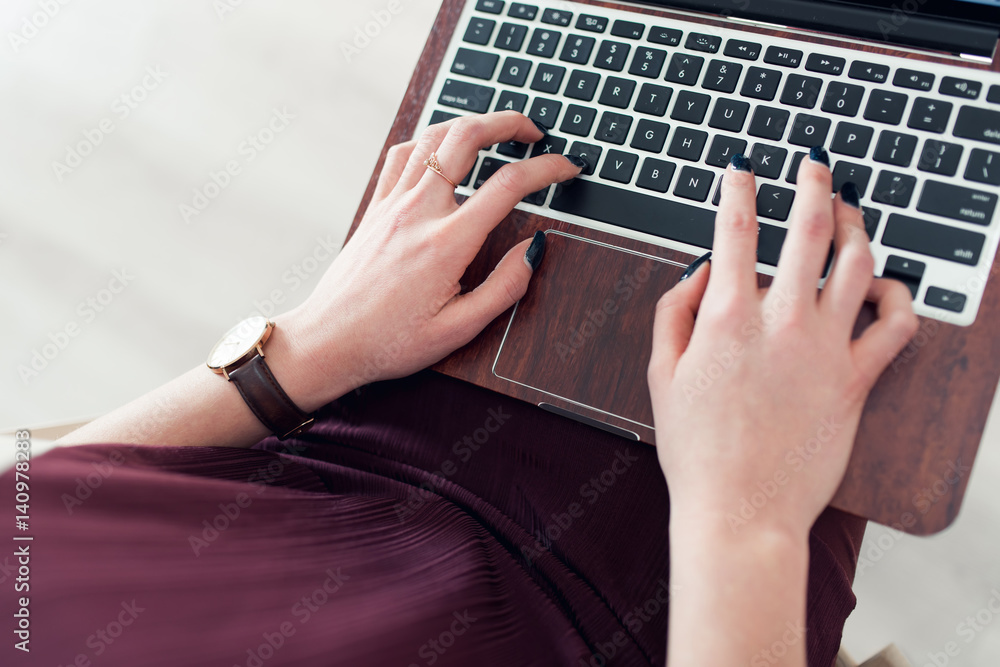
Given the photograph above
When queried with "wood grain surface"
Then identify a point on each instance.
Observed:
(922, 424)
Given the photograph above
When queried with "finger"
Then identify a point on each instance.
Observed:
(467, 315)
(392, 169)
(460, 147)
(503, 190)
(428, 142)
(889, 334)
(807, 246)
(674, 323)
(853, 266)
(734, 251)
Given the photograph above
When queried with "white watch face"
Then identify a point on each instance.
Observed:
(238, 341)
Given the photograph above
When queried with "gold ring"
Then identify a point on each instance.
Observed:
(435, 166)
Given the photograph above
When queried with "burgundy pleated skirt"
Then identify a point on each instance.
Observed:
(420, 522)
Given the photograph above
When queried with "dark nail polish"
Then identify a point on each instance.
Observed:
(819, 154)
(533, 255)
(707, 257)
(740, 162)
(541, 128)
(577, 161)
(849, 193)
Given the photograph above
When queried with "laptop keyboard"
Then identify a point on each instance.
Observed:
(657, 108)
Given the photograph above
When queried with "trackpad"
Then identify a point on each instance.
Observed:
(584, 330)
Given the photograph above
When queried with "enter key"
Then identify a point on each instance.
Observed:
(957, 203)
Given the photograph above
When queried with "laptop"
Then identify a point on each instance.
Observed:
(657, 97)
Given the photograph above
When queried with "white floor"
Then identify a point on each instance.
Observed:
(109, 289)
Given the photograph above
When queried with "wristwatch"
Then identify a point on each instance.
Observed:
(239, 357)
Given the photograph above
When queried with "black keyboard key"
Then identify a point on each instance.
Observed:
(723, 149)
(687, 144)
(684, 68)
(978, 124)
(490, 6)
(945, 299)
(667, 36)
(467, 96)
(761, 84)
(694, 184)
(908, 78)
(648, 62)
(774, 202)
(844, 172)
(817, 62)
(777, 55)
(612, 55)
(510, 101)
(476, 64)
(885, 107)
(617, 92)
(582, 85)
(590, 153)
(736, 48)
(801, 91)
(994, 94)
(510, 37)
(619, 166)
(653, 99)
(591, 23)
(809, 130)
(983, 167)
(521, 11)
(548, 78)
(955, 87)
(793, 168)
(768, 123)
(514, 72)
(957, 203)
(895, 148)
(544, 43)
(843, 99)
(549, 145)
(441, 117)
(698, 41)
(613, 128)
(863, 71)
(690, 107)
(655, 175)
(940, 157)
(770, 240)
(722, 76)
(479, 31)
(490, 166)
(767, 160)
(907, 271)
(578, 120)
(930, 115)
(729, 115)
(851, 139)
(650, 135)
(932, 239)
(557, 17)
(545, 111)
(628, 29)
(636, 211)
(537, 198)
(894, 189)
(514, 149)
(872, 217)
(577, 49)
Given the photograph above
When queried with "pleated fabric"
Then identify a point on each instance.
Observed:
(422, 521)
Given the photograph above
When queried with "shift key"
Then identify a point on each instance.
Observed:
(957, 203)
(468, 96)
(933, 239)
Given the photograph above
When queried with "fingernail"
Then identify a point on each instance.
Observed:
(849, 193)
(690, 270)
(819, 154)
(533, 255)
(541, 128)
(577, 161)
(740, 162)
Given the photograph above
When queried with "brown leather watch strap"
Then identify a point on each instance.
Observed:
(268, 400)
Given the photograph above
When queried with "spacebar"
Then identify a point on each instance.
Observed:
(638, 212)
